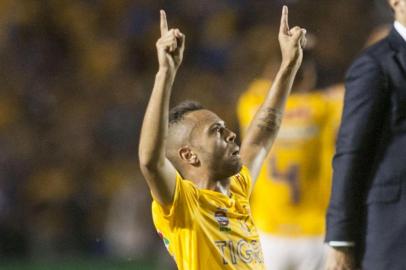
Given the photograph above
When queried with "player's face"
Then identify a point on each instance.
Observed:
(215, 144)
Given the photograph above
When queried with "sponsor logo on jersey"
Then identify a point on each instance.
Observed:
(221, 217)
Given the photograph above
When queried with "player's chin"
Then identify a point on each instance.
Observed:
(235, 165)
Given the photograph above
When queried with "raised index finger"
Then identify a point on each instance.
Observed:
(164, 23)
(284, 27)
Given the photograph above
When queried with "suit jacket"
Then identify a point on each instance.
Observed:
(368, 200)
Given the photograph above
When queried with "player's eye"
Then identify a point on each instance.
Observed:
(218, 129)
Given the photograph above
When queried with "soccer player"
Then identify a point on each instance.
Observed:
(199, 178)
(290, 198)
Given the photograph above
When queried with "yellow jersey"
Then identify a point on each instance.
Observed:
(205, 229)
(288, 198)
(334, 97)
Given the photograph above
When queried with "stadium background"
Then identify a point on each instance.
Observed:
(74, 82)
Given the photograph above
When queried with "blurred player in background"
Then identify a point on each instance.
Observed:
(290, 199)
(205, 221)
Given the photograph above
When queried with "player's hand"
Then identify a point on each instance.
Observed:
(291, 41)
(170, 46)
(340, 259)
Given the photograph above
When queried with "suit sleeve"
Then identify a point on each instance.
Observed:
(360, 131)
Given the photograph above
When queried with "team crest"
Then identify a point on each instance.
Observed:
(221, 216)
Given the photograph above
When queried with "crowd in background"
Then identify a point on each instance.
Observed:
(74, 82)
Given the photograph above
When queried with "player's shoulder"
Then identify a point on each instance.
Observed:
(244, 172)
(242, 182)
(185, 185)
(185, 191)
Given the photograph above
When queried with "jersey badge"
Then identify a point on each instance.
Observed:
(221, 217)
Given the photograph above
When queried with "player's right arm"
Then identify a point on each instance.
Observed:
(156, 168)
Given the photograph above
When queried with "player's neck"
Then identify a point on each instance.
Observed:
(207, 181)
(221, 186)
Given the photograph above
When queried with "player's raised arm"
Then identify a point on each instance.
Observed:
(156, 168)
(265, 124)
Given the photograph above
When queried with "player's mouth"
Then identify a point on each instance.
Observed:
(236, 152)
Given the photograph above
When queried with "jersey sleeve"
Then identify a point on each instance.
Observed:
(184, 201)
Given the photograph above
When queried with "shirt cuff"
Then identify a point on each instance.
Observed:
(341, 244)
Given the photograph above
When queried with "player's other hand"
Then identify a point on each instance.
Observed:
(340, 259)
(291, 41)
(170, 46)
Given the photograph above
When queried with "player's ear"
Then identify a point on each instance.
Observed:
(186, 154)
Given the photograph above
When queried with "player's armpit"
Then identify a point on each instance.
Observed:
(269, 120)
(161, 179)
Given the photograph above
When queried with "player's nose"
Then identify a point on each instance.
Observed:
(230, 136)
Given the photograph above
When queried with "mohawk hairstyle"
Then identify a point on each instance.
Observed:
(176, 113)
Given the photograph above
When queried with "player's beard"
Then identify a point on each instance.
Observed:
(229, 167)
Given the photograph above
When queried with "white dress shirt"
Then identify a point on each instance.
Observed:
(401, 29)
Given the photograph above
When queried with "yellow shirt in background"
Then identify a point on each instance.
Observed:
(334, 97)
(289, 198)
(204, 229)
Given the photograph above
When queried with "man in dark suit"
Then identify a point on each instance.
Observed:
(366, 219)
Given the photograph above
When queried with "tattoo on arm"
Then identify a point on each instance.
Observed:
(269, 119)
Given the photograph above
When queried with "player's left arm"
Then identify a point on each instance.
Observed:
(265, 125)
